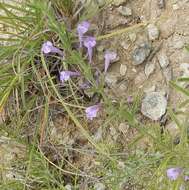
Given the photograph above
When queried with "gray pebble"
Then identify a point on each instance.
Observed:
(141, 53)
(125, 11)
(168, 74)
(154, 105)
(153, 32)
(99, 186)
(149, 69)
(163, 60)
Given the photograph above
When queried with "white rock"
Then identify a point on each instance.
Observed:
(175, 7)
(125, 11)
(154, 105)
(184, 68)
(123, 69)
(124, 44)
(114, 133)
(153, 32)
(118, 2)
(99, 186)
(163, 59)
(68, 187)
(132, 36)
(149, 69)
(123, 128)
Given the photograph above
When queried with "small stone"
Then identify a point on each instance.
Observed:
(99, 186)
(173, 129)
(124, 44)
(132, 36)
(184, 69)
(175, 7)
(168, 74)
(117, 2)
(163, 60)
(141, 53)
(121, 165)
(154, 105)
(140, 78)
(123, 128)
(153, 32)
(134, 70)
(125, 11)
(123, 69)
(101, 2)
(149, 69)
(151, 89)
(111, 79)
(114, 133)
(68, 187)
(123, 86)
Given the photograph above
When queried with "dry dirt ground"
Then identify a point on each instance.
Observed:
(167, 34)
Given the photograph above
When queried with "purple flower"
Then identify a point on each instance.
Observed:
(130, 100)
(82, 28)
(91, 111)
(85, 85)
(65, 75)
(174, 173)
(186, 178)
(89, 43)
(109, 57)
(48, 47)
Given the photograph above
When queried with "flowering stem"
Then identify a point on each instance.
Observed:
(90, 52)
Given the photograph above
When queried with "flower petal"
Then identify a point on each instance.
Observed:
(90, 43)
(65, 75)
(92, 111)
(48, 47)
(173, 173)
(82, 28)
(109, 57)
